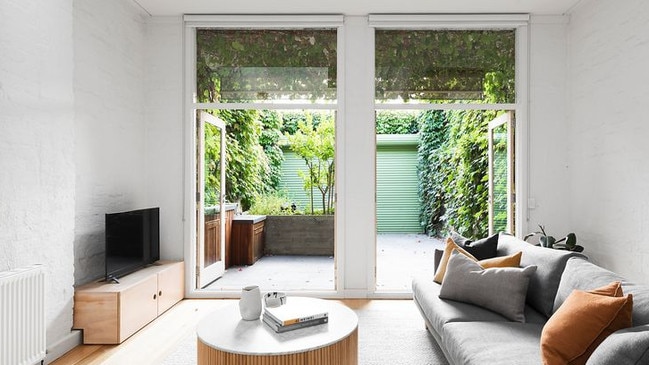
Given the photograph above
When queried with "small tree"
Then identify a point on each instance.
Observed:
(316, 146)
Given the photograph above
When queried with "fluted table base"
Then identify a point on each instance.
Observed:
(344, 351)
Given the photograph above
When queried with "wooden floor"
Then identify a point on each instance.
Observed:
(152, 344)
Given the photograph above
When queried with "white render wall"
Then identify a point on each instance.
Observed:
(37, 167)
(609, 171)
(548, 160)
(110, 128)
(164, 124)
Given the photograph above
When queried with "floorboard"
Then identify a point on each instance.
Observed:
(152, 344)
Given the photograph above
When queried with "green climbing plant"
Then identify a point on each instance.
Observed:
(316, 146)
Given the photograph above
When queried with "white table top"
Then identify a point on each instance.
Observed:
(224, 330)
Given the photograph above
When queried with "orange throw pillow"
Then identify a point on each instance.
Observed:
(448, 252)
(513, 260)
(582, 322)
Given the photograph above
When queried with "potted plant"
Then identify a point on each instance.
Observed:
(568, 243)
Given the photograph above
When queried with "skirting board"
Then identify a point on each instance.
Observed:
(60, 348)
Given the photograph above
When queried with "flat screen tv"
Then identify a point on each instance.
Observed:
(132, 241)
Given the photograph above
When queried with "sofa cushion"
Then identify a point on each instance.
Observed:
(501, 343)
(583, 321)
(584, 275)
(550, 264)
(629, 346)
(501, 290)
(449, 249)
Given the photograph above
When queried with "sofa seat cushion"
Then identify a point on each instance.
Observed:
(584, 275)
(493, 343)
(550, 265)
(441, 311)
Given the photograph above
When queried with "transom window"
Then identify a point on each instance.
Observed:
(243, 66)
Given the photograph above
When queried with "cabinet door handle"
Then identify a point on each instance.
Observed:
(154, 296)
(160, 293)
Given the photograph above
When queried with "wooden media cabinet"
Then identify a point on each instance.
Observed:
(109, 313)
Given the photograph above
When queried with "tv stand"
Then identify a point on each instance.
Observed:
(112, 279)
(109, 312)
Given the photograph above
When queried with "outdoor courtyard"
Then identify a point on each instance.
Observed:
(399, 258)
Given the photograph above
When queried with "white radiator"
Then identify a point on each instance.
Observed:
(22, 316)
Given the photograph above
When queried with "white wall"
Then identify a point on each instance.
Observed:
(164, 123)
(37, 172)
(355, 157)
(609, 173)
(548, 140)
(109, 74)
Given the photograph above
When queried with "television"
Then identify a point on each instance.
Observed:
(132, 241)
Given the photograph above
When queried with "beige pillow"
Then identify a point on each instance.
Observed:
(452, 248)
(448, 252)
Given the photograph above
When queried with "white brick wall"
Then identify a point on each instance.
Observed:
(37, 148)
(609, 89)
(109, 55)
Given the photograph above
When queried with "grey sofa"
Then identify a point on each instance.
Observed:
(472, 335)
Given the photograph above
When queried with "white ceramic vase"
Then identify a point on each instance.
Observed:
(250, 303)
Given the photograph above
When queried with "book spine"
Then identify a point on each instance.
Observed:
(297, 320)
(280, 328)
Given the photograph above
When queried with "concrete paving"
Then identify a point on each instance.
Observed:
(399, 257)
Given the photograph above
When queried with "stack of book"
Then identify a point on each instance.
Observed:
(289, 317)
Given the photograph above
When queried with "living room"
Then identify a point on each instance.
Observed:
(92, 107)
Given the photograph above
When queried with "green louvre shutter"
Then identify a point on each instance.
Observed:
(292, 183)
(397, 196)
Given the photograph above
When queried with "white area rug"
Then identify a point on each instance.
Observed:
(390, 332)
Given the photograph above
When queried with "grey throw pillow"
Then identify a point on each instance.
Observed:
(501, 290)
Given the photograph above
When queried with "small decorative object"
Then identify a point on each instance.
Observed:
(250, 303)
(570, 239)
(274, 299)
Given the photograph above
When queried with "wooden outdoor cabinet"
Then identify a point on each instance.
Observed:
(109, 313)
(247, 244)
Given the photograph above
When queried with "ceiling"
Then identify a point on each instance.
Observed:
(353, 7)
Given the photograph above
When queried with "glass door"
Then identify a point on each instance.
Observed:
(501, 174)
(210, 187)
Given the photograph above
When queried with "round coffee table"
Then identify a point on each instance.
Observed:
(224, 338)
